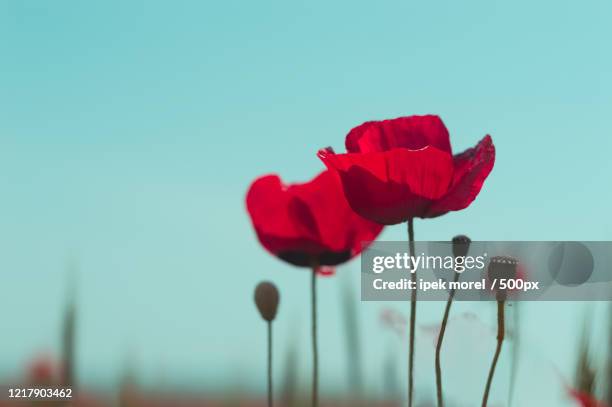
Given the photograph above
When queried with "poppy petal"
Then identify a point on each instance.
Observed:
(411, 132)
(472, 167)
(340, 228)
(326, 271)
(392, 186)
(274, 212)
(307, 223)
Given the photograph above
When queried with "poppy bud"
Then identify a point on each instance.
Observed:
(502, 267)
(461, 245)
(266, 299)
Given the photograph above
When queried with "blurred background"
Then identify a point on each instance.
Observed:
(130, 131)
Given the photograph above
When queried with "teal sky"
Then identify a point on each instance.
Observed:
(130, 131)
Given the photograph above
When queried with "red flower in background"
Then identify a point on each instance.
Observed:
(308, 224)
(43, 370)
(584, 399)
(399, 169)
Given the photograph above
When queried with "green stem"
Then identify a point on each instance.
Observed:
(315, 351)
(500, 339)
(439, 344)
(270, 398)
(413, 301)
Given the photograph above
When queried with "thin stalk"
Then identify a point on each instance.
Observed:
(500, 339)
(69, 336)
(270, 398)
(449, 302)
(315, 351)
(352, 338)
(413, 301)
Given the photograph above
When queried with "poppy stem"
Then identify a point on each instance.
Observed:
(500, 339)
(68, 338)
(413, 301)
(315, 351)
(270, 364)
(449, 302)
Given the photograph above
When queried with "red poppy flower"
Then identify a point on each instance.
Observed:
(307, 224)
(403, 168)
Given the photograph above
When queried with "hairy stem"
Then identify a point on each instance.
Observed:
(413, 301)
(500, 339)
(439, 393)
(270, 397)
(315, 351)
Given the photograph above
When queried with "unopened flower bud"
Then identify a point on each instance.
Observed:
(461, 245)
(266, 299)
(502, 267)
